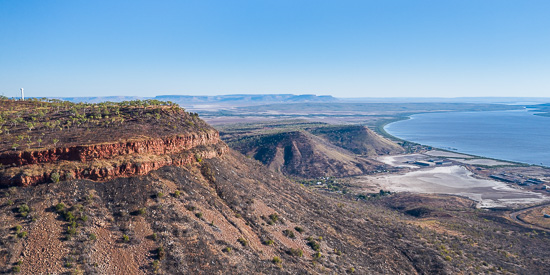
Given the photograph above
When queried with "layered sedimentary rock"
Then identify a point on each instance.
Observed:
(109, 160)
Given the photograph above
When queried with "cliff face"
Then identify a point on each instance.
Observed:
(157, 146)
(107, 161)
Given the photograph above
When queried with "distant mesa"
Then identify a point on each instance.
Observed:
(235, 99)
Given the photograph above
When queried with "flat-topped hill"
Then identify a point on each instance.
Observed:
(41, 138)
(38, 124)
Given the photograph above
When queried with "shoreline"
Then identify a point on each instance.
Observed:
(380, 128)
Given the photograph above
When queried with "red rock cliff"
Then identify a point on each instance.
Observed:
(109, 160)
(85, 153)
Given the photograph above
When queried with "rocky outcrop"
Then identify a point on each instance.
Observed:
(157, 146)
(100, 162)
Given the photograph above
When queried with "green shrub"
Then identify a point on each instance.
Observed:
(314, 245)
(92, 237)
(317, 255)
(268, 242)
(16, 269)
(243, 241)
(198, 215)
(156, 266)
(24, 208)
(69, 216)
(289, 233)
(125, 238)
(71, 231)
(299, 229)
(296, 252)
(54, 177)
(142, 211)
(160, 195)
(22, 234)
(161, 253)
(198, 158)
(18, 229)
(177, 194)
(155, 236)
(273, 218)
(227, 249)
(60, 207)
(276, 260)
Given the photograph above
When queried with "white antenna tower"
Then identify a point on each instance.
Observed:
(22, 94)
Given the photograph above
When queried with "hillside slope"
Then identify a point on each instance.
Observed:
(299, 153)
(357, 139)
(230, 214)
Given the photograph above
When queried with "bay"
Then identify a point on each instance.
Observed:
(518, 135)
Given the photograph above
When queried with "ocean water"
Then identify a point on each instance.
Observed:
(518, 136)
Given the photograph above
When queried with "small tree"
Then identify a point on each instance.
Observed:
(55, 141)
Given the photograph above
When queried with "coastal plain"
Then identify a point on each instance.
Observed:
(490, 183)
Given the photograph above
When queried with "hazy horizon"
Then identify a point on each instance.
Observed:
(348, 49)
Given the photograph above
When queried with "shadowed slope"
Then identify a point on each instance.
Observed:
(357, 139)
(299, 153)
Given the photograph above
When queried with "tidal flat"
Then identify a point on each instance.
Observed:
(454, 180)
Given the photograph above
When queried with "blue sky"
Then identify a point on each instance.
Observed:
(384, 48)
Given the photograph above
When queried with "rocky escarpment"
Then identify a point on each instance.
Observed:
(156, 146)
(107, 161)
(49, 140)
